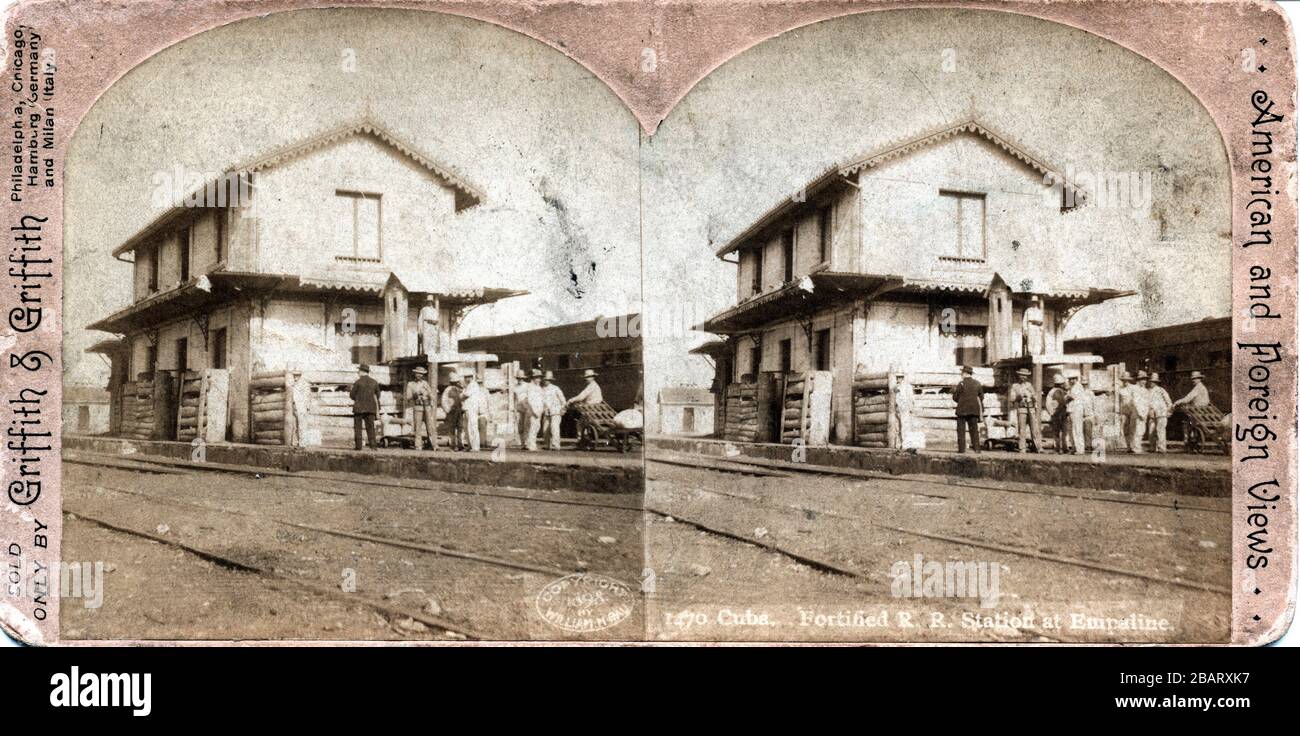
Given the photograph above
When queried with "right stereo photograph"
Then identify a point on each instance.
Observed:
(937, 342)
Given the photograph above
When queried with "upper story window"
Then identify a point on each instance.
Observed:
(184, 237)
(221, 215)
(756, 278)
(154, 256)
(963, 232)
(787, 255)
(824, 234)
(365, 209)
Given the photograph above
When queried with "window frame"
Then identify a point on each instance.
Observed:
(825, 227)
(184, 241)
(960, 197)
(789, 250)
(152, 270)
(823, 356)
(357, 196)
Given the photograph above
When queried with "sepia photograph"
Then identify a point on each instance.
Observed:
(351, 339)
(957, 309)
(682, 324)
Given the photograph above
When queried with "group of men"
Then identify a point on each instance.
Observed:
(462, 403)
(1071, 409)
(540, 406)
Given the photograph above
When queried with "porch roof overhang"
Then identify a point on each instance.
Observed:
(825, 288)
(221, 287)
(711, 348)
(811, 293)
(203, 291)
(107, 346)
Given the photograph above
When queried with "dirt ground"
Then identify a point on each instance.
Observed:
(814, 558)
(337, 557)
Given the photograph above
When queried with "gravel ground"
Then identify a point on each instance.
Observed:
(251, 522)
(1058, 553)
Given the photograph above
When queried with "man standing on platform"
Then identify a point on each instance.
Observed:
(452, 406)
(1161, 407)
(903, 401)
(365, 405)
(472, 403)
(419, 396)
(969, 396)
(528, 405)
(1060, 419)
(553, 404)
(1133, 408)
(1023, 400)
(1079, 407)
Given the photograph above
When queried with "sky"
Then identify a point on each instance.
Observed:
(767, 121)
(581, 205)
(552, 147)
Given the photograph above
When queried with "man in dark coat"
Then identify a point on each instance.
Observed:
(969, 396)
(365, 405)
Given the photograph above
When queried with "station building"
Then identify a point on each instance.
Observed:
(938, 251)
(318, 256)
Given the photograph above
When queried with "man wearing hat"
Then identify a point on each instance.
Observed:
(903, 401)
(590, 393)
(1023, 400)
(365, 405)
(553, 405)
(1198, 396)
(472, 402)
(1161, 407)
(1078, 408)
(452, 407)
(969, 396)
(419, 396)
(528, 407)
(1058, 418)
(1133, 408)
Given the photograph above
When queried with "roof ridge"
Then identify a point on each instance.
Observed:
(363, 124)
(972, 124)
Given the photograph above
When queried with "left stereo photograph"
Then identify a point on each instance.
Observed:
(364, 288)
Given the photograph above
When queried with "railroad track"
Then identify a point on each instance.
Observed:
(389, 611)
(166, 466)
(438, 623)
(833, 567)
(777, 468)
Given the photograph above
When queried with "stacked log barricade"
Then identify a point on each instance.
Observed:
(871, 406)
(742, 412)
(313, 407)
(794, 416)
(138, 409)
(202, 406)
(187, 420)
(934, 411)
(269, 396)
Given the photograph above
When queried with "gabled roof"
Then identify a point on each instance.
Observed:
(901, 148)
(889, 152)
(467, 195)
